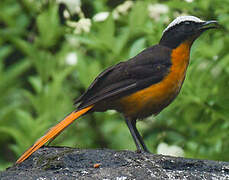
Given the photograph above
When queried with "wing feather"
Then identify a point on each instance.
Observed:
(128, 77)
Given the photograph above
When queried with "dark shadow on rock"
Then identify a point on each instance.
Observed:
(68, 163)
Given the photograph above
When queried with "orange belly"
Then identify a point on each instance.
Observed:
(153, 99)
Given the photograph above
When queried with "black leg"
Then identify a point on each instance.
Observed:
(139, 136)
(136, 136)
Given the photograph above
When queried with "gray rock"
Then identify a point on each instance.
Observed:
(68, 163)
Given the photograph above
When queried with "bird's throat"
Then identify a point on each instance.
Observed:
(180, 56)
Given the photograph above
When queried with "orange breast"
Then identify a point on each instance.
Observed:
(153, 99)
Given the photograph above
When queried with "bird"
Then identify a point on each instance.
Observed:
(141, 86)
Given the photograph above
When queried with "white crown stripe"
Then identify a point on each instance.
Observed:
(181, 19)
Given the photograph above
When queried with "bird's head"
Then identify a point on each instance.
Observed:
(185, 28)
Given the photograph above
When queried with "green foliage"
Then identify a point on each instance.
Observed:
(38, 85)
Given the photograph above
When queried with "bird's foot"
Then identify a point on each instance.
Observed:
(142, 151)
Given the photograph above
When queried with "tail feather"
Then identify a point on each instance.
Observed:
(53, 132)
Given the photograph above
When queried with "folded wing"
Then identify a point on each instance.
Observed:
(128, 77)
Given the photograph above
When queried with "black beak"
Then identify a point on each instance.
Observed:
(209, 25)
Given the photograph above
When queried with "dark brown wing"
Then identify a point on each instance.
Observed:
(147, 68)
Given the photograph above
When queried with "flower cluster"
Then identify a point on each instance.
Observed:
(156, 10)
(83, 25)
(72, 5)
(122, 9)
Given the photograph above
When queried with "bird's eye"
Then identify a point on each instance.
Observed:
(187, 23)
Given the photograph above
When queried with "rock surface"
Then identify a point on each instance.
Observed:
(68, 163)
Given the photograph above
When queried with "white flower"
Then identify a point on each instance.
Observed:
(156, 10)
(173, 150)
(66, 14)
(215, 58)
(72, 5)
(83, 25)
(102, 16)
(216, 71)
(71, 58)
(122, 9)
(115, 14)
(189, 1)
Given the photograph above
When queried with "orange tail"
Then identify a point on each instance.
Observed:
(53, 132)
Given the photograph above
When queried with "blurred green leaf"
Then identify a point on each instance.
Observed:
(49, 26)
(138, 17)
(137, 47)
